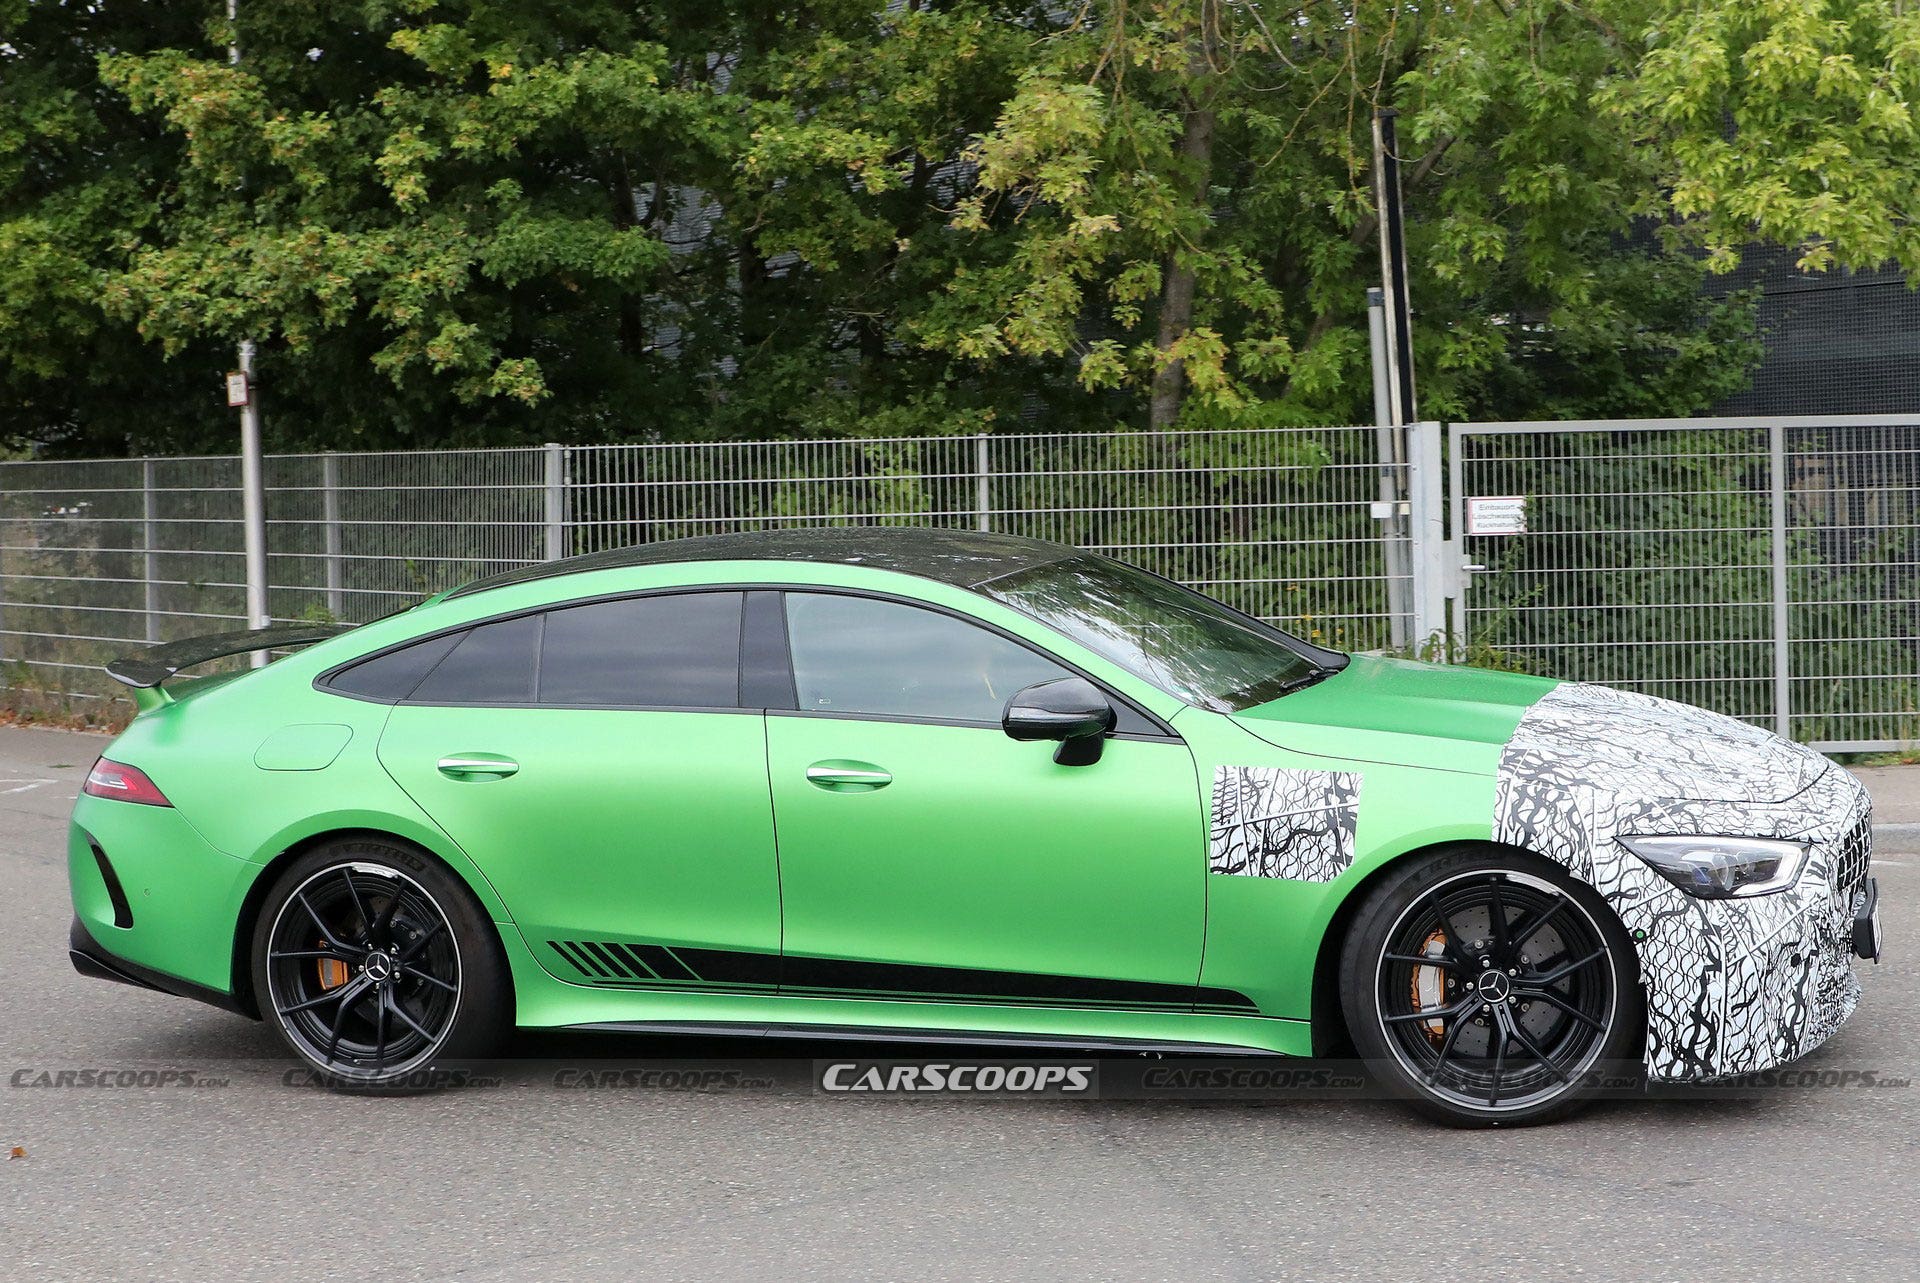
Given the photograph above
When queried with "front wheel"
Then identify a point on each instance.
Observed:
(1489, 989)
(377, 967)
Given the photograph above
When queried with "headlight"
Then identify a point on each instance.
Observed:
(1720, 868)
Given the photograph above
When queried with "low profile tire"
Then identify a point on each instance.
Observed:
(378, 967)
(1488, 988)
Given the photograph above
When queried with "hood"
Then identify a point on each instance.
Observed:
(1479, 721)
(1395, 710)
(1637, 746)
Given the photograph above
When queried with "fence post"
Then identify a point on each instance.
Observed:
(982, 496)
(556, 500)
(330, 527)
(1782, 646)
(150, 561)
(1428, 532)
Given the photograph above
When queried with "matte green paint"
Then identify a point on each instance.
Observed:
(982, 853)
(617, 824)
(307, 747)
(184, 894)
(1263, 934)
(1394, 710)
(693, 828)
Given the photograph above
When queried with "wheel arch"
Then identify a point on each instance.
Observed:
(1329, 1022)
(249, 914)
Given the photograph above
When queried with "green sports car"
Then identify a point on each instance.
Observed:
(955, 787)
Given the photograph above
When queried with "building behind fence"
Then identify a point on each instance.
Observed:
(1766, 567)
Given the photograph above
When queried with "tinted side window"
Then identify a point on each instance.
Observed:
(393, 676)
(493, 664)
(680, 650)
(859, 655)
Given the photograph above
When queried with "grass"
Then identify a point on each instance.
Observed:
(1899, 757)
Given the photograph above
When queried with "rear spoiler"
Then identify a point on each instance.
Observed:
(145, 670)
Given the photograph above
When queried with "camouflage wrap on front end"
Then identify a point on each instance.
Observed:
(1734, 985)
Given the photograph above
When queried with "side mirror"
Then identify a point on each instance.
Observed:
(1069, 709)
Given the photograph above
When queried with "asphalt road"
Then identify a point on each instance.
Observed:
(255, 1178)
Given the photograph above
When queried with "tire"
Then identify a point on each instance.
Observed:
(378, 968)
(1520, 1023)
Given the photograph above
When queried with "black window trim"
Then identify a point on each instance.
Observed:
(776, 644)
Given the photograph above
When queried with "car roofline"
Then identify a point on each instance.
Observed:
(963, 559)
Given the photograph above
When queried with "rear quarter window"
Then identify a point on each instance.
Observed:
(493, 664)
(392, 677)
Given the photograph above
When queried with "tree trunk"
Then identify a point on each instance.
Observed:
(1177, 282)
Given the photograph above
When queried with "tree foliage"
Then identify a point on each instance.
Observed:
(497, 221)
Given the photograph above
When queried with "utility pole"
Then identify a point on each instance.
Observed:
(1393, 265)
(1390, 328)
(240, 392)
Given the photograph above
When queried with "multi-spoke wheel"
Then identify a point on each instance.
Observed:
(375, 965)
(1489, 989)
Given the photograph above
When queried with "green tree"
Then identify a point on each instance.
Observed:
(473, 221)
(1195, 177)
(80, 175)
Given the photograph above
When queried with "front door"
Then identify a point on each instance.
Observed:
(594, 762)
(925, 855)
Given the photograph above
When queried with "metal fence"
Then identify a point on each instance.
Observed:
(1766, 567)
(1769, 568)
(97, 557)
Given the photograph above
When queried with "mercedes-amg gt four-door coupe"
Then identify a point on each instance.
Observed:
(956, 786)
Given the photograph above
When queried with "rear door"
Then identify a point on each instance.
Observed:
(597, 764)
(924, 854)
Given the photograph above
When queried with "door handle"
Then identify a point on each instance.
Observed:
(477, 766)
(847, 777)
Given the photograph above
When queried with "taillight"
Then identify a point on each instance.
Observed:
(123, 784)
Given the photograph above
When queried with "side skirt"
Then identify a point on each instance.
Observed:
(930, 1036)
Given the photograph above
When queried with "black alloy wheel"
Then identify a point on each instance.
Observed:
(1490, 993)
(372, 971)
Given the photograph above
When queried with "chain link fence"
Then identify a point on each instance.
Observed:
(99, 557)
(1768, 568)
(1765, 567)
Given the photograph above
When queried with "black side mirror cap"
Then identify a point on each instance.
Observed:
(1071, 710)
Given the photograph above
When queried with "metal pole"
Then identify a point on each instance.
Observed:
(150, 570)
(1393, 263)
(1429, 540)
(1782, 642)
(982, 490)
(1388, 436)
(1382, 368)
(330, 521)
(253, 498)
(556, 501)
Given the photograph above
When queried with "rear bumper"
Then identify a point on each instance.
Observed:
(91, 958)
(150, 889)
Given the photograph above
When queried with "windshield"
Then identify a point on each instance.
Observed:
(1186, 644)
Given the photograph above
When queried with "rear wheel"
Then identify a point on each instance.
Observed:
(1489, 988)
(378, 967)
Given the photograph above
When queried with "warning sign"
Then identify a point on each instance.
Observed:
(1497, 515)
